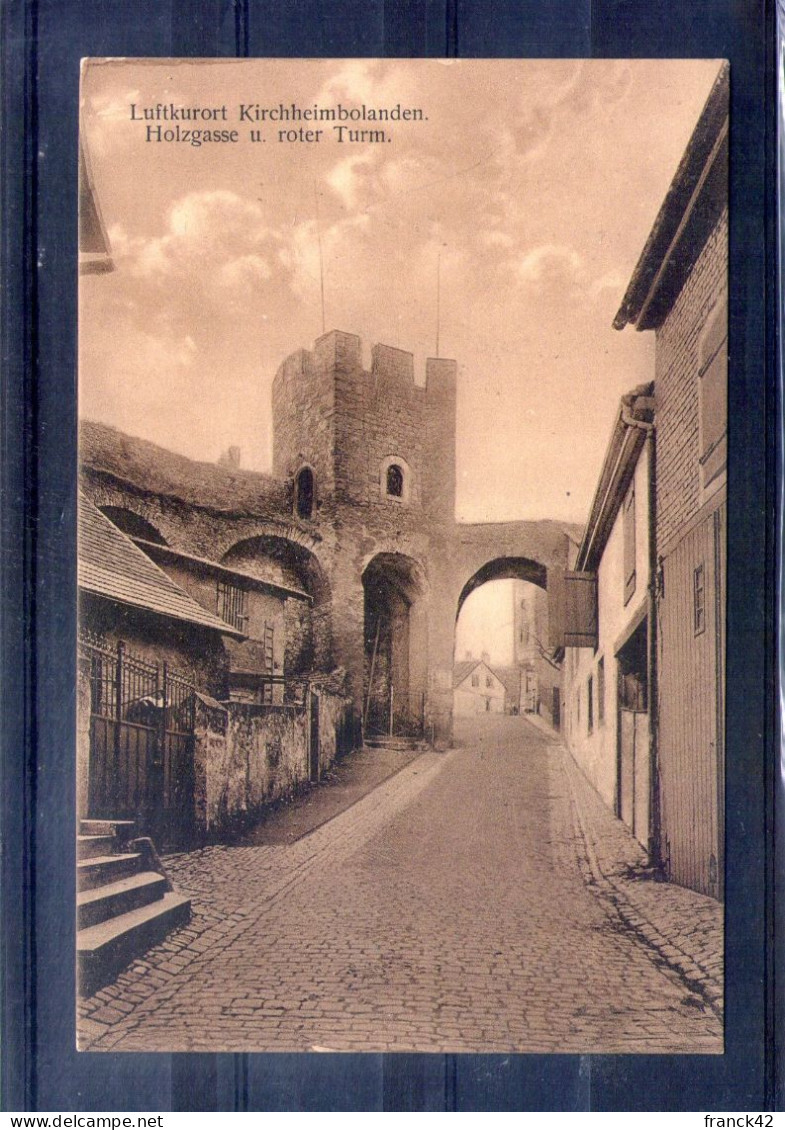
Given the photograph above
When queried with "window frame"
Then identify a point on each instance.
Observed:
(231, 603)
(306, 468)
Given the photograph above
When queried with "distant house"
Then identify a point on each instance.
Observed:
(477, 689)
(513, 683)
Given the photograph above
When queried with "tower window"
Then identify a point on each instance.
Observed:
(395, 481)
(304, 493)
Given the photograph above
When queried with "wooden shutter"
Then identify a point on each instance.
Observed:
(572, 609)
(580, 610)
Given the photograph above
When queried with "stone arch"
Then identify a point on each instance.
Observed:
(237, 530)
(503, 569)
(395, 640)
(133, 524)
(284, 561)
(532, 682)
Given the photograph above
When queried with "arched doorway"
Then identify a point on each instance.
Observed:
(396, 646)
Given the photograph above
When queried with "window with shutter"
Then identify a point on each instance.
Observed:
(580, 609)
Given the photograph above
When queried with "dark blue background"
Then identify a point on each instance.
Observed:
(42, 44)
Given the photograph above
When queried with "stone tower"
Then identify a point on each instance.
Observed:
(370, 455)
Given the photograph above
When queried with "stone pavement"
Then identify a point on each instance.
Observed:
(351, 778)
(450, 909)
(685, 929)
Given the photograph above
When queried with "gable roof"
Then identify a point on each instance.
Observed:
(511, 677)
(111, 566)
(464, 668)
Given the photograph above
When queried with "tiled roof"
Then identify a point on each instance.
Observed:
(113, 567)
(511, 677)
(463, 669)
(166, 552)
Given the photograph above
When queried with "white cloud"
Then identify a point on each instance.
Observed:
(550, 265)
(210, 237)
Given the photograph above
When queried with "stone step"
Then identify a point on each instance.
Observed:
(112, 899)
(122, 829)
(105, 869)
(104, 950)
(378, 741)
(88, 847)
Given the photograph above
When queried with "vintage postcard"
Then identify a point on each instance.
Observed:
(402, 526)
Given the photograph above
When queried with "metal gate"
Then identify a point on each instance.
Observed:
(141, 741)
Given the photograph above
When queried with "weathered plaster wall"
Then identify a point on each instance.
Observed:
(595, 749)
(247, 756)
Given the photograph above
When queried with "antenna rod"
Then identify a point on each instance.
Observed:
(321, 258)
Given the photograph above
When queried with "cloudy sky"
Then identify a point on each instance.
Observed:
(534, 183)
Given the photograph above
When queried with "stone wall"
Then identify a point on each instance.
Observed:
(249, 756)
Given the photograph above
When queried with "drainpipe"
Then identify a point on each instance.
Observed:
(655, 842)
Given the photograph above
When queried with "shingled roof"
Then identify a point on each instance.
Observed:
(111, 566)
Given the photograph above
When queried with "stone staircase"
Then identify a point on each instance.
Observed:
(124, 905)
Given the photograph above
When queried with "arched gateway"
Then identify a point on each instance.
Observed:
(360, 509)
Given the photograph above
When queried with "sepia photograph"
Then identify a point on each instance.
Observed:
(402, 555)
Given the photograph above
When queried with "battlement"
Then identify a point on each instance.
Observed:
(341, 352)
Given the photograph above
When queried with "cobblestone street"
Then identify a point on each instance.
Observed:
(465, 904)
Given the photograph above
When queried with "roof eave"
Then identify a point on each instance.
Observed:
(221, 629)
(706, 149)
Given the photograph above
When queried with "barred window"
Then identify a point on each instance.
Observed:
(232, 605)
